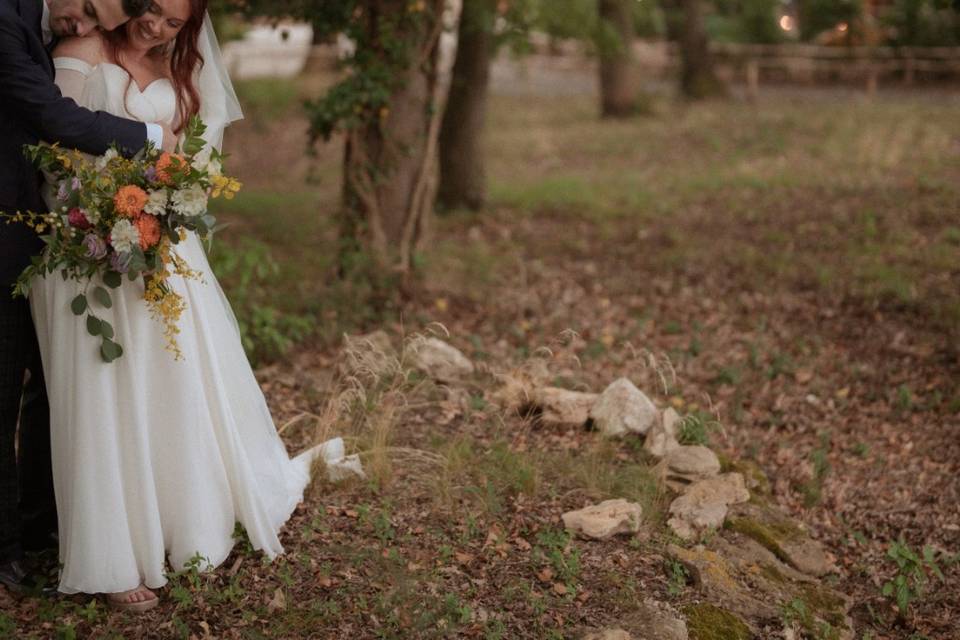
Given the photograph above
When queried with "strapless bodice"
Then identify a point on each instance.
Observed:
(110, 88)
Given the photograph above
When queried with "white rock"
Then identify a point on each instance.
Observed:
(561, 406)
(703, 506)
(604, 520)
(662, 437)
(688, 464)
(622, 408)
(440, 360)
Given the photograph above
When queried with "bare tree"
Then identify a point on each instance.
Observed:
(618, 80)
(697, 77)
(462, 168)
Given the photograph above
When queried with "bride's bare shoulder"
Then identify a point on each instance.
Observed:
(91, 49)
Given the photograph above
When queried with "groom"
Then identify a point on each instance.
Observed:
(32, 109)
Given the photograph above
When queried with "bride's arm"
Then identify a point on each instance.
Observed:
(73, 60)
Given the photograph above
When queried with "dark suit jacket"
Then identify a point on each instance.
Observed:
(32, 109)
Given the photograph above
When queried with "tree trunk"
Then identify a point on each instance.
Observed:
(618, 87)
(462, 170)
(697, 77)
(389, 179)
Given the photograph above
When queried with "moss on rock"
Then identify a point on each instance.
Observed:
(825, 604)
(756, 480)
(766, 535)
(709, 622)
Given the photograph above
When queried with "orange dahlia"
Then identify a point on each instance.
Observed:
(149, 228)
(168, 162)
(130, 200)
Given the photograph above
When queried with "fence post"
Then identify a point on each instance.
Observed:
(753, 78)
(871, 79)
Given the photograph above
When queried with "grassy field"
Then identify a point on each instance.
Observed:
(825, 192)
(796, 261)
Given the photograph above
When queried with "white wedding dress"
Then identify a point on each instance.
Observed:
(155, 457)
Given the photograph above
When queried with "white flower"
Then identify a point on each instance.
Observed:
(190, 202)
(124, 236)
(105, 159)
(204, 161)
(157, 202)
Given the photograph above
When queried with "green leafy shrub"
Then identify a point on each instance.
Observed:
(913, 573)
(248, 274)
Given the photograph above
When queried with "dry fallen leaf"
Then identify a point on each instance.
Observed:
(278, 602)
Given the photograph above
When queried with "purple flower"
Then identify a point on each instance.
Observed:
(120, 262)
(75, 184)
(62, 193)
(150, 173)
(95, 246)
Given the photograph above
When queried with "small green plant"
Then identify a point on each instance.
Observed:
(913, 573)
(796, 614)
(904, 401)
(556, 547)
(730, 376)
(812, 490)
(696, 427)
(188, 581)
(677, 577)
(781, 364)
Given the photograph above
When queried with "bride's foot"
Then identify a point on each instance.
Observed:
(136, 600)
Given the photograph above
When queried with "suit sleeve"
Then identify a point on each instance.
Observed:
(29, 92)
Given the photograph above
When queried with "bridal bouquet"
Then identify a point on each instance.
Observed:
(120, 217)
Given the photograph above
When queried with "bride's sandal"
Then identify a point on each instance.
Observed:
(135, 601)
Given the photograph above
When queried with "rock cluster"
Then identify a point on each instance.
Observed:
(759, 558)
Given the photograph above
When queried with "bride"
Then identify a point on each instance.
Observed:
(154, 457)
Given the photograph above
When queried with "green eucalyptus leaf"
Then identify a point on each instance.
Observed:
(79, 305)
(102, 296)
(112, 279)
(110, 350)
(94, 326)
(106, 330)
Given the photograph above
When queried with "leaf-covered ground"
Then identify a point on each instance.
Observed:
(796, 260)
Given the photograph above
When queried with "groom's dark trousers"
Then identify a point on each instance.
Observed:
(32, 109)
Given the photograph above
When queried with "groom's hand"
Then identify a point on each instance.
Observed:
(169, 138)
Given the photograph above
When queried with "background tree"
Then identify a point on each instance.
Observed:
(924, 23)
(619, 90)
(750, 21)
(462, 170)
(387, 106)
(685, 24)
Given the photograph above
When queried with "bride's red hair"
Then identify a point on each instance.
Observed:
(184, 58)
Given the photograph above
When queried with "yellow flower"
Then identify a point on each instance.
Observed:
(227, 187)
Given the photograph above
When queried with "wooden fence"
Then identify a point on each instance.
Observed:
(754, 64)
